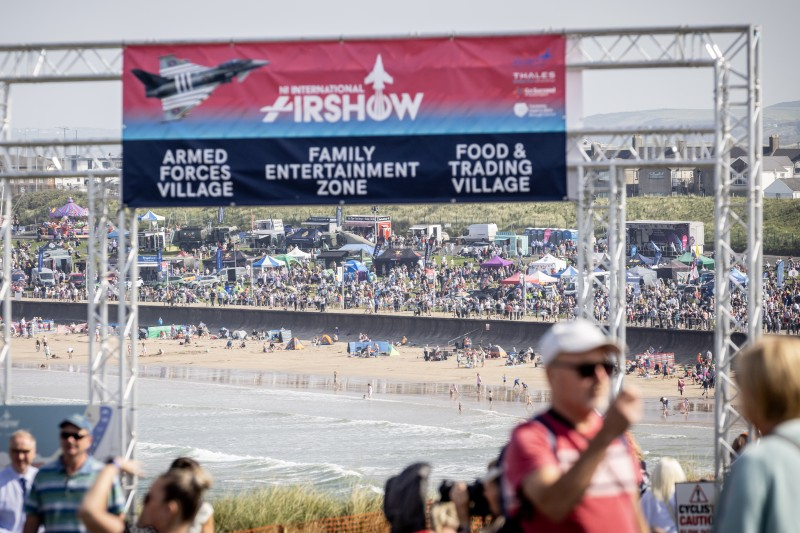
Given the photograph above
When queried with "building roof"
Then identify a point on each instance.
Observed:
(792, 153)
(792, 183)
(776, 163)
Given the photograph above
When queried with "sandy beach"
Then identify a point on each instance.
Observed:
(408, 366)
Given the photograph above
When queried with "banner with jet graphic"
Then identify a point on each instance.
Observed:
(456, 119)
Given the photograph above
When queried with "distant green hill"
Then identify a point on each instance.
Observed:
(780, 119)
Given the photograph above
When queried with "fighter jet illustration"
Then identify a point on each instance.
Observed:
(379, 78)
(182, 85)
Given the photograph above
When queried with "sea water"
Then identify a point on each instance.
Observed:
(256, 429)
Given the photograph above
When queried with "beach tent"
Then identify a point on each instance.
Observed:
(295, 344)
(280, 335)
(392, 350)
(497, 351)
(155, 332)
(326, 340)
(496, 262)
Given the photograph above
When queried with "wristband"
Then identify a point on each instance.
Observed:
(113, 461)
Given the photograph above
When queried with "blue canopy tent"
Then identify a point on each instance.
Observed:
(114, 234)
(151, 217)
(355, 269)
(569, 272)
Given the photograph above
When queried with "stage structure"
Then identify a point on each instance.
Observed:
(596, 162)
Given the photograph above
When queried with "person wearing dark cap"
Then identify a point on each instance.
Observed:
(571, 468)
(60, 485)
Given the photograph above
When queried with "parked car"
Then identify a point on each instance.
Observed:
(204, 281)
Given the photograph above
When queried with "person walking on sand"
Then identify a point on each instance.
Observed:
(478, 382)
(490, 399)
(369, 391)
(681, 386)
(459, 407)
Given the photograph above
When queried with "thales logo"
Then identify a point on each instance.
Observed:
(345, 103)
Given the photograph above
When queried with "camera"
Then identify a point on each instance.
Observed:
(478, 504)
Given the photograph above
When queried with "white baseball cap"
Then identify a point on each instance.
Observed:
(574, 336)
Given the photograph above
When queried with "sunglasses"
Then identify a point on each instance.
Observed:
(66, 435)
(587, 370)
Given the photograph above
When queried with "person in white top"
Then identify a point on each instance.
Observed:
(16, 480)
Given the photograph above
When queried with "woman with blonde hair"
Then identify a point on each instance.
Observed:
(658, 502)
(760, 493)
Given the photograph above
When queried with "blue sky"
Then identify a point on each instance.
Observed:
(98, 105)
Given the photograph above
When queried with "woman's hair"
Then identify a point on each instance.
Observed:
(186, 482)
(768, 374)
(738, 445)
(665, 474)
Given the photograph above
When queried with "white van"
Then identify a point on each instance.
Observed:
(45, 278)
(479, 232)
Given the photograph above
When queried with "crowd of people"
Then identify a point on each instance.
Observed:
(457, 290)
(569, 468)
(78, 493)
(572, 469)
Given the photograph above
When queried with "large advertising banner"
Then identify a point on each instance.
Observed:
(468, 119)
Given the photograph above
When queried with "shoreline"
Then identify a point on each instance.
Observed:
(314, 367)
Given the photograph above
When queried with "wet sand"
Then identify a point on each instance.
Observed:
(408, 367)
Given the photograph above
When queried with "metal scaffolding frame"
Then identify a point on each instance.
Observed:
(597, 185)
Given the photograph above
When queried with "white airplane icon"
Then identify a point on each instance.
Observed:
(378, 78)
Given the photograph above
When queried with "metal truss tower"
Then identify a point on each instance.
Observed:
(597, 184)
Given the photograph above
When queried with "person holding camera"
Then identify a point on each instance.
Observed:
(570, 468)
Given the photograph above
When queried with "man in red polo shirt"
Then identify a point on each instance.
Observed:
(571, 468)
